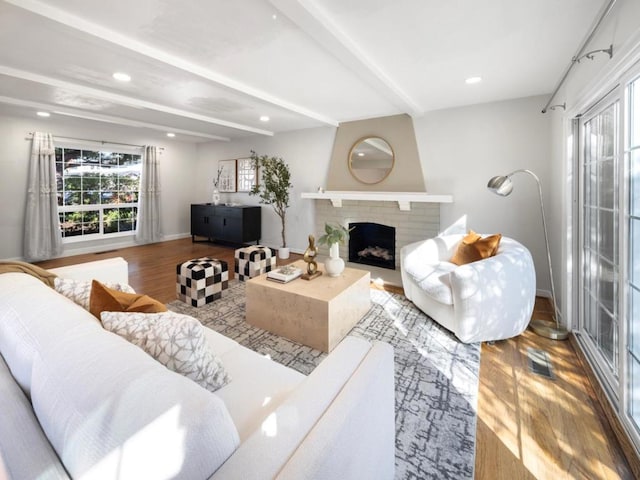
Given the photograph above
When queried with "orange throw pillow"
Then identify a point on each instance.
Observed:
(104, 299)
(473, 248)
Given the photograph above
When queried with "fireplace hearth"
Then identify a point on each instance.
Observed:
(372, 244)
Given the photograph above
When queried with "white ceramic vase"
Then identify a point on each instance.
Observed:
(334, 266)
(283, 253)
(216, 196)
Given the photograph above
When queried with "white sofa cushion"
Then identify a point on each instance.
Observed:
(176, 341)
(282, 434)
(259, 386)
(21, 438)
(26, 325)
(111, 411)
(433, 279)
(107, 270)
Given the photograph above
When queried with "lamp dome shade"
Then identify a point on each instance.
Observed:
(500, 185)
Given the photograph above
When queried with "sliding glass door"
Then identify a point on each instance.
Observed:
(599, 235)
(632, 141)
(608, 209)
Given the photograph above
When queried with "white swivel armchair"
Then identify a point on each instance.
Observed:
(487, 300)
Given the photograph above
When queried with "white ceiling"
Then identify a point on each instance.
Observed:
(207, 70)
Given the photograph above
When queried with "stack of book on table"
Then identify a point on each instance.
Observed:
(284, 274)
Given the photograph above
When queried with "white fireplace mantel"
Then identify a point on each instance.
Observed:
(404, 199)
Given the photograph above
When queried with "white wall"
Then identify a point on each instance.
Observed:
(177, 176)
(306, 151)
(462, 148)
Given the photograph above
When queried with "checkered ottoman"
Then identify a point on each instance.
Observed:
(201, 280)
(253, 261)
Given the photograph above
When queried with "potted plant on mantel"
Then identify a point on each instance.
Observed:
(274, 190)
(334, 236)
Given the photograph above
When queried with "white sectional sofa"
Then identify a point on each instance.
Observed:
(80, 402)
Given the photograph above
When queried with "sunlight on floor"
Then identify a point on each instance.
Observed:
(540, 427)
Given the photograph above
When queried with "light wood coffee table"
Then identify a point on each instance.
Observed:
(317, 313)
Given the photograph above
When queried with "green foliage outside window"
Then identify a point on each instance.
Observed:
(95, 178)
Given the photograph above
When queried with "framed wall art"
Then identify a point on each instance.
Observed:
(247, 174)
(227, 181)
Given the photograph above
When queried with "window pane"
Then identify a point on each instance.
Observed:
(635, 113)
(590, 181)
(108, 182)
(92, 216)
(111, 218)
(72, 183)
(607, 132)
(606, 291)
(634, 257)
(606, 184)
(128, 197)
(72, 159)
(607, 336)
(634, 389)
(108, 159)
(72, 224)
(108, 197)
(72, 198)
(90, 183)
(634, 324)
(607, 234)
(635, 181)
(90, 198)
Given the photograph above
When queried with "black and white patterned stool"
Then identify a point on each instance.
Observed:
(201, 280)
(254, 260)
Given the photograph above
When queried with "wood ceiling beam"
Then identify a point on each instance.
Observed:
(98, 117)
(89, 28)
(124, 100)
(319, 24)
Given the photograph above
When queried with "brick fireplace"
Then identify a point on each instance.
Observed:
(420, 222)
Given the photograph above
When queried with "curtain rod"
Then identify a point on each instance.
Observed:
(103, 142)
(605, 11)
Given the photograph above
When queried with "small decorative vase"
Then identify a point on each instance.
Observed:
(216, 196)
(283, 253)
(334, 266)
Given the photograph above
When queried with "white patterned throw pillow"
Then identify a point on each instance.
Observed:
(80, 290)
(176, 341)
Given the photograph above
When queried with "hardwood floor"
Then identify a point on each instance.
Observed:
(529, 427)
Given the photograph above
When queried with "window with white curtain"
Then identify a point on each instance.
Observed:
(608, 212)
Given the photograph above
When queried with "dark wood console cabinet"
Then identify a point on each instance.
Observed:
(238, 224)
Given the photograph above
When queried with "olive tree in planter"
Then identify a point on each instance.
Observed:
(273, 189)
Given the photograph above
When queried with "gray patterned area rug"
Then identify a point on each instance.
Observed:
(436, 376)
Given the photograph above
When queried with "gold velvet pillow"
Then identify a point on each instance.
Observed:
(473, 248)
(104, 299)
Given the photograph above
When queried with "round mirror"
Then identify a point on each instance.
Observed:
(371, 160)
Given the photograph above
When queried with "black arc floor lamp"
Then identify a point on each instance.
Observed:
(503, 186)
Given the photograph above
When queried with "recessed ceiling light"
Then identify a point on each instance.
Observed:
(171, 134)
(43, 114)
(361, 154)
(472, 80)
(274, 16)
(122, 77)
(264, 118)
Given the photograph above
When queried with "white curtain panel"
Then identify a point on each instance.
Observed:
(42, 236)
(148, 227)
